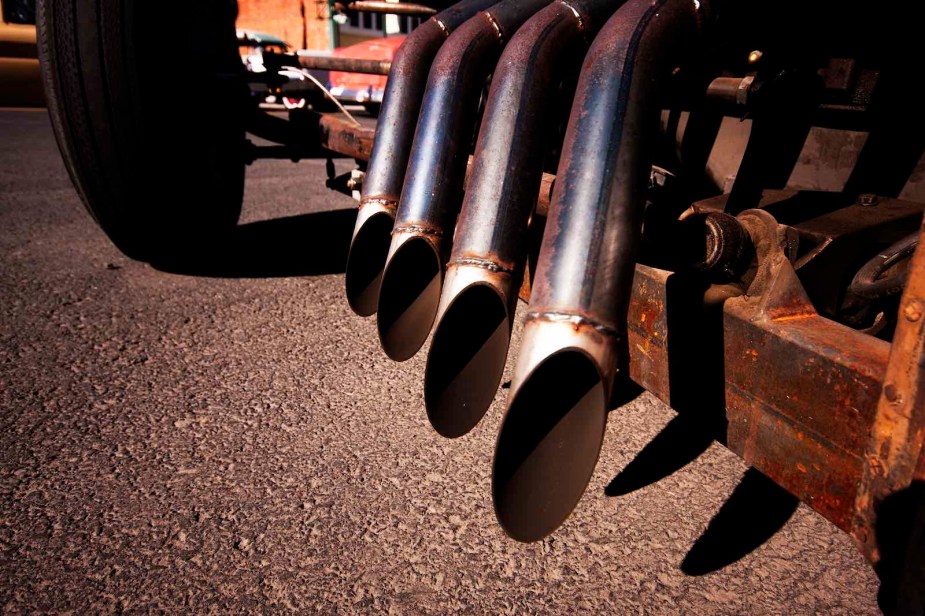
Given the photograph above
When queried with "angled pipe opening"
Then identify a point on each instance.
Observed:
(466, 360)
(548, 444)
(408, 298)
(365, 263)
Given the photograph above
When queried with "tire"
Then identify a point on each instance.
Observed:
(159, 175)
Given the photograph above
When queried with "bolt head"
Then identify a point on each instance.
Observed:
(868, 200)
(913, 311)
(890, 392)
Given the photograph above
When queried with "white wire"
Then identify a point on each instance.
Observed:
(331, 96)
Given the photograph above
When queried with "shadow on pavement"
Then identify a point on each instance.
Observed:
(304, 245)
(754, 512)
(624, 391)
(680, 442)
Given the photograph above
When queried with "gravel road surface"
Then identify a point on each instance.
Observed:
(227, 436)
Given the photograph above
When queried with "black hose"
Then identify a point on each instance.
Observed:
(869, 285)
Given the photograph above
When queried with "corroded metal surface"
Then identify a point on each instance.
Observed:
(799, 394)
(647, 331)
(313, 135)
(894, 455)
(344, 138)
(799, 388)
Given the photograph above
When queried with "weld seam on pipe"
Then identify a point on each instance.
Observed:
(484, 264)
(417, 229)
(576, 320)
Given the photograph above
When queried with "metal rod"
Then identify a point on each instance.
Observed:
(347, 65)
(392, 8)
(552, 432)
(433, 188)
(394, 135)
(730, 90)
(470, 344)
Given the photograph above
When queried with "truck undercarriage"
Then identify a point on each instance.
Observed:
(636, 174)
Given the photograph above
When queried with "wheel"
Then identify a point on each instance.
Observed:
(159, 175)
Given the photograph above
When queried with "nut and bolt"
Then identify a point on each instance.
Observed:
(868, 200)
(660, 178)
(744, 88)
(913, 311)
(356, 180)
(891, 393)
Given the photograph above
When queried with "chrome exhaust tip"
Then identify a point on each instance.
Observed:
(409, 295)
(366, 259)
(466, 360)
(553, 430)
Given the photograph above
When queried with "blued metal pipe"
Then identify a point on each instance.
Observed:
(394, 134)
(433, 189)
(469, 349)
(553, 429)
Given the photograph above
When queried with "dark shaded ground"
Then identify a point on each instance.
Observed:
(202, 441)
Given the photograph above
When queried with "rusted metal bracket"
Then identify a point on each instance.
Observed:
(894, 455)
(792, 392)
(313, 135)
(800, 388)
(833, 415)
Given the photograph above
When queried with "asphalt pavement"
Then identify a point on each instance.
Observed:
(227, 436)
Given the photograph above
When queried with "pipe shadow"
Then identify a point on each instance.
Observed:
(696, 386)
(752, 514)
(304, 245)
(624, 391)
(679, 443)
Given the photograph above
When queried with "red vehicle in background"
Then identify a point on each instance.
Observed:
(366, 90)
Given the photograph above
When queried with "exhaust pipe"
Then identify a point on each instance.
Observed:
(470, 344)
(394, 133)
(553, 429)
(433, 190)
